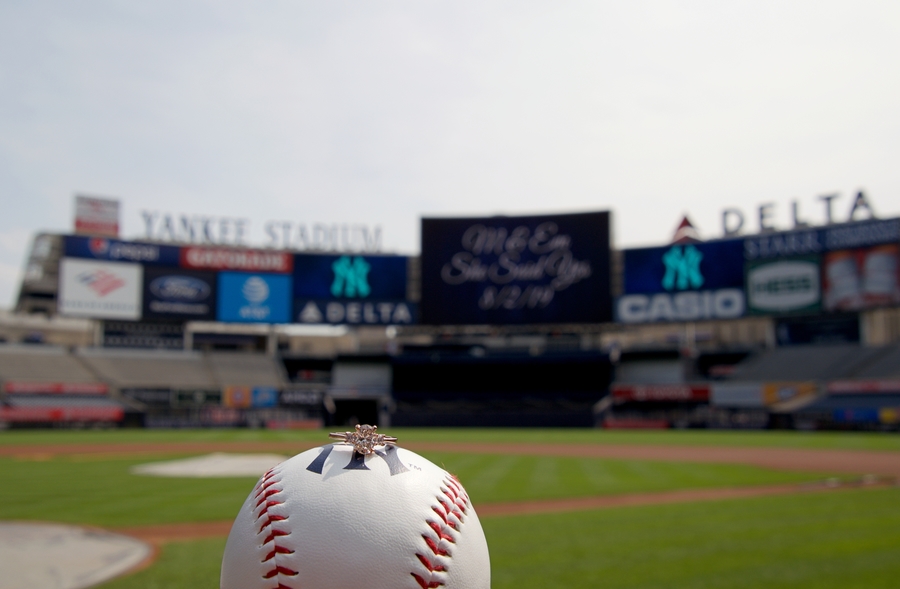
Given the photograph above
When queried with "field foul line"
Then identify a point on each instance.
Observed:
(162, 533)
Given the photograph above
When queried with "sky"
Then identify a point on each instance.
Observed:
(380, 113)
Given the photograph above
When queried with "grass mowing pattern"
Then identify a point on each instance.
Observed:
(834, 540)
(102, 492)
(767, 439)
(491, 478)
(830, 540)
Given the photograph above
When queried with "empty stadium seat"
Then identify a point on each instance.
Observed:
(41, 363)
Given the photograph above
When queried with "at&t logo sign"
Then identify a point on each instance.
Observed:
(256, 292)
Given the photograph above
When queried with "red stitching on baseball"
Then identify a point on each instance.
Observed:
(434, 547)
(438, 529)
(432, 568)
(277, 550)
(452, 505)
(426, 584)
(271, 520)
(280, 570)
(267, 487)
(266, 484)
(266, 495)
(273, 534)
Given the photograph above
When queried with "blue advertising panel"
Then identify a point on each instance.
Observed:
(173, 293)
(326, 277)
(516, 270)
(246, 297)
(264, 397)
(352, 289)
(102, 248)
(815, 240)
(686, 282)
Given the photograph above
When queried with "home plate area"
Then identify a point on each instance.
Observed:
(59, 556)
(56, 556)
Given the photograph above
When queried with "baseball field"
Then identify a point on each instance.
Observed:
(560, 508)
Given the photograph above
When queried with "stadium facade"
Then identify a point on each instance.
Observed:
(517, 321)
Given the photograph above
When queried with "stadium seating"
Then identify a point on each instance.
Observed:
(41, 363)
(244, 368)
(825, 362)
(885, 365)
(149, 368)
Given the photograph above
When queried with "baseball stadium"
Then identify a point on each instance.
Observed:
(719, 413)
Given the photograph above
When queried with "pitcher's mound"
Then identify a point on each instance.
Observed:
(58, 556)
(212, 465)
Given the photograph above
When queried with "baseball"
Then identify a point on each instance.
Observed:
(336, 518)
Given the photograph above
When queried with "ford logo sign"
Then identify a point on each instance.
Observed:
(180, 288)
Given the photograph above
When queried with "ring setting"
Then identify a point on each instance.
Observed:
(364, 439)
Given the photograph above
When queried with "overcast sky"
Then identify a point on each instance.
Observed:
(381, 112)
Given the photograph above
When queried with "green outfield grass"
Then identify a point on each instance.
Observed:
(101, 491)
(831, 540)
(848, 538)
(782, 439)
(837, 540)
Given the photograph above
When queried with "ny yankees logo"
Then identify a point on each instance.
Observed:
(351, 277)
(682, 268)
(364, 441)
(358, 460)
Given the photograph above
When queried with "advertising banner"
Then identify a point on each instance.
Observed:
(173, 293)
(660, 392)
(327, 277)
(13, 387)
(37, 414)
(254, 298)
(355, 313)
(861, 278)
(351, 289)
(96, 216)
(301, 396)
(196, 397)
(149, 396)
(100, 290)
(516, 270)
(779, 392)
(230, 258)
(114, 250)
(687, 282)
(788, 285)
(264, 397)
(814, 240)
(864, 387)
(237, 397)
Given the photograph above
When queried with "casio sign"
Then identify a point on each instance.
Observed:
(727, 303)
(180, 288)
(682, 273)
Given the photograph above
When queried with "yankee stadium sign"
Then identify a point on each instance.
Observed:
(212, 230)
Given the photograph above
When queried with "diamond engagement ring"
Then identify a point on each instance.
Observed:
(364, 439)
